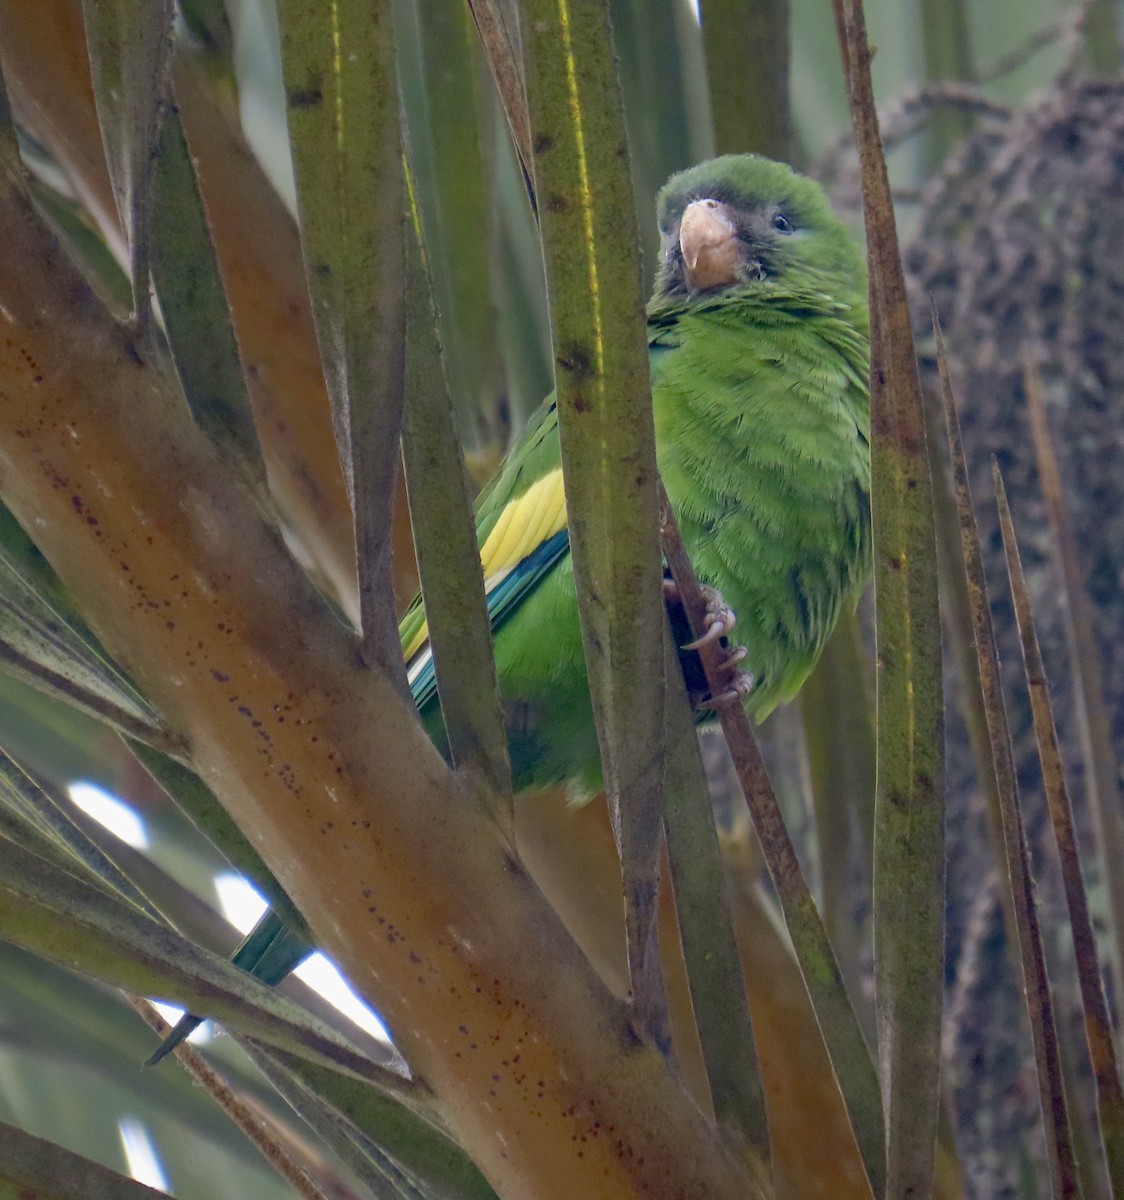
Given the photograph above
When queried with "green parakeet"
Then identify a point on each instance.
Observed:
(758, 343)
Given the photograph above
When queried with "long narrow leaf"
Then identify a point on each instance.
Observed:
(667, 109)
(1036, 987)
(35, 801)
(343, 131)
(1098, 1021)
(608, 437)
(258, 248)
(32, 1168)
(50, 1011)
(448, 556)
(706, 926)
(202, 808)
(747, 62)
(277, 1153)
(1091, 714)
(159, 205)
(194, 308)
(909, 868)
(956, 613)
(422, 1150)
(842, 1034)
(9, 145)
(451, 190)
(374, 1169)
(21, 825)
(42, 652)
(498, 29)
(209, 24)
(841, 753)
(1102, 38)
(45, 647)
(53, 913)
(72, 224)
(523, 317)
(130, 45)
(196, 919)
(946, 40)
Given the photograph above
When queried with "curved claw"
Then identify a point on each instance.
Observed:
(741, 685)
(715, 633)
(720, 619)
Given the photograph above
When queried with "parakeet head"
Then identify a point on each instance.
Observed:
(743, 221)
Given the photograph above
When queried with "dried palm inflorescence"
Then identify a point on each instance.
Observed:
(1020, 245)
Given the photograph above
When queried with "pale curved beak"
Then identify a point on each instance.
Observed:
(708, 238)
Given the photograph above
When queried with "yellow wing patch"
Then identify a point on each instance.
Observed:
(421, 636)
(525, 524)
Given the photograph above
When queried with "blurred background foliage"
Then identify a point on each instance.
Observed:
(1014, 232)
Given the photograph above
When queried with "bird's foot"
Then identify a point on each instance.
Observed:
(720, 618)
(719, 621)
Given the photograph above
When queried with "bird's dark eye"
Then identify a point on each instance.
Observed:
(780, 223)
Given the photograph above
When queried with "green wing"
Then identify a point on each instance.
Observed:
(536, 454)
(526, 497)
(521, 531)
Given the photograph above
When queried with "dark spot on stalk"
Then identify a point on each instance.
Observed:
(308, 97)
(575, 361)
